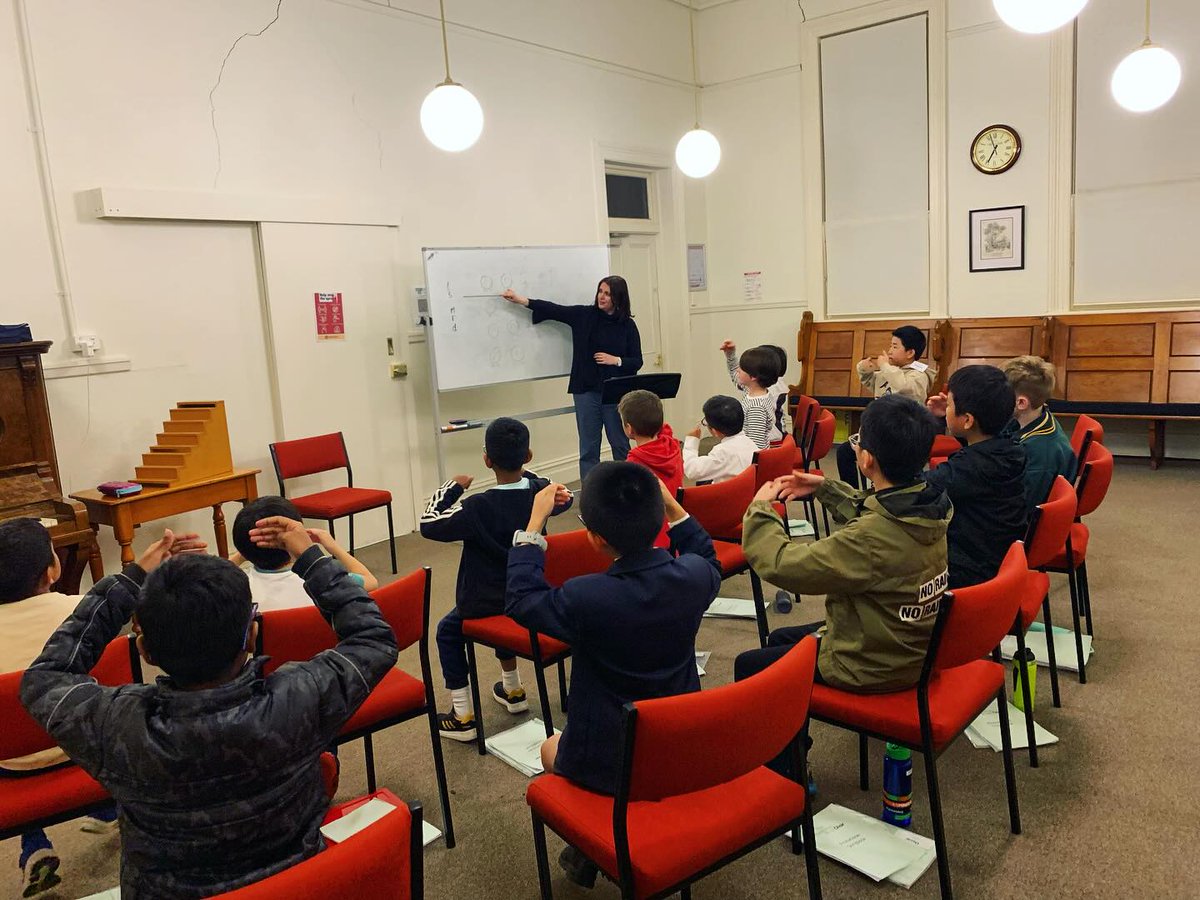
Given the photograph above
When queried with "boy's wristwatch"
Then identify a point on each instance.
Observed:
(529, 537)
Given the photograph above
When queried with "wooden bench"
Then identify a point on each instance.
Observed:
(1143, 366)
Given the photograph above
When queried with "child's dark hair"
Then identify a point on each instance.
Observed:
(506, 443)
(618, 289)
(724, 414)
(781, 356)
(643, 412)
(984, 392)
(194, 612)
(899, 433)
(25, 554)
(913, 338)
(761, 364)
(623, 504)
(269, 558)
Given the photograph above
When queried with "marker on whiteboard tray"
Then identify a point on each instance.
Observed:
(460, 422)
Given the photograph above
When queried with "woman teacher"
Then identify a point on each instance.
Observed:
(605, 344)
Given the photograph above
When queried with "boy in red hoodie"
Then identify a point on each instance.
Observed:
(652, 444)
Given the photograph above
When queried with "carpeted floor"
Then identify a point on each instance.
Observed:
(1108, 814)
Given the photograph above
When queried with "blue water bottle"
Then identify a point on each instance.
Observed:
(897, 786)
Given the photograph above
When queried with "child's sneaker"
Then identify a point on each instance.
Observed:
(41, 872)
(456, 729)
(578, 868)
(92, 825)
(513, 701)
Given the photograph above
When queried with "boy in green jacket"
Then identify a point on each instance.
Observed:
(883, 573)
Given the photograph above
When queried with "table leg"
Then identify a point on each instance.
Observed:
(219, 528)
(95, 559)
(1158, 442)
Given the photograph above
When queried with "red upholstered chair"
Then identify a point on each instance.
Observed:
(805, 412)
(682, 811)
(944, 446)
(1087, 431)
(324, 453)
(1049, 528)
(774, 462)
(61, 794)
(1095, 476)
(568, 555)
(297, 635)
(818, 449)
(719, 509)
(383, 861)
(957, 683)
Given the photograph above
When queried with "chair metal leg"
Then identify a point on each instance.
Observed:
(810, 855)
(351, 534)
(939, 830)
(1028, 700)
(369, 753)
(332, 533)
(1073, 583)
(439, 768)
(539, 672)
(760, 607)
(1010, 774)
(1086, 594)
(476, 698)
(825, 516)
(685, 892)
(562, 684)
(864, 775)
(543, 861)
(391, 537)
(1050, 653)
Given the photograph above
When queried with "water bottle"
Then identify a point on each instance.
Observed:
(897, 786)
(1028, 670)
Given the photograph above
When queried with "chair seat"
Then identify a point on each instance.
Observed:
(955, 697)
(731, 557)
(338, 502)
(1079, 544)
(670, 839)
(397, 694)
(501, 631)
(35, 797)
(944, 446)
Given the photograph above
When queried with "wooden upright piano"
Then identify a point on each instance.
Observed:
(29, 479)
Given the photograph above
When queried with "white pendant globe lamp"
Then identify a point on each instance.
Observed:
(1146, 78)
(698, 152)
(1037, 16)
(451, 117)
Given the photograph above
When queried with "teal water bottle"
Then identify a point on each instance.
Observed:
(1025, 667)
(897, 785)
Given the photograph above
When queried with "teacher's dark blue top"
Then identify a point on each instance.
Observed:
(593, 331)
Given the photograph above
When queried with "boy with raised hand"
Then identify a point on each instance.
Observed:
(1048, 452)
(653, 444)
(216, 768)
(986, 479)
(485, 524)
(756, 375)
(723, 416)
(632, 629)
(273, 584)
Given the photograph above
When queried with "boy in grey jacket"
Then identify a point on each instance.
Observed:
(216, 767)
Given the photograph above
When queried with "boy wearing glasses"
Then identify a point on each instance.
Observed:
(485, 524)
(216, 768)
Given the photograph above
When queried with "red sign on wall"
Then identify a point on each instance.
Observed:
(331, 324)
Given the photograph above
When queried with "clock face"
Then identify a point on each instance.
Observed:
(995, 149)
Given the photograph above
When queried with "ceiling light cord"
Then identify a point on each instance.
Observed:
(445, 43)
(695, 77)
(1147, 41)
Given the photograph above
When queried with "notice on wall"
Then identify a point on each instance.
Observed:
(697, 265)
(331, 322)
(752, 286)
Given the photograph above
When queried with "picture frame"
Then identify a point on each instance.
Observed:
(996, 239)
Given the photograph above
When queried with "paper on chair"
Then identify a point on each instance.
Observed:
(702, 658)
(869, 845)
(986, 728)
(520, 747)
(358, 819)
(1064, 648)
(730, 608)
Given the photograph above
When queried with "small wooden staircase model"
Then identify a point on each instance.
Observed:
(193, 446)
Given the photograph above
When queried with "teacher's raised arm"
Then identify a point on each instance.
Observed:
(605, 344)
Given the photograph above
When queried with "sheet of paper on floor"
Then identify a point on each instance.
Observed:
(800, 528)
(110, 894)
(868, 845)
(730, 608)
(429, 833)
(1064, 648)
(702, 657)
(520, 746)
(985, 730)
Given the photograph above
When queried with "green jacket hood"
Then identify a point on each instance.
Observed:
(923, 511)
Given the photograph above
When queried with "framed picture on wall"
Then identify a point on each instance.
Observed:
(997, 239)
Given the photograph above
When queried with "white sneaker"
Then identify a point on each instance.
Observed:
(92, 825)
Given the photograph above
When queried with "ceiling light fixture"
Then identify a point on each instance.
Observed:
(1037, 16)
(698, 152)
(1146, 78)
(451, 117)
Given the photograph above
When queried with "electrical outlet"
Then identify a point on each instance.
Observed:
(398, 369)
(87, 344)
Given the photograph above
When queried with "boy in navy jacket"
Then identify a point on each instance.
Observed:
(632, 629)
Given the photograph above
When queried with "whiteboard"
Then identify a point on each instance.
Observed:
(477, 338)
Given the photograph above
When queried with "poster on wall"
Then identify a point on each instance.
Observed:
(331, 323)
(697, 265)
(752, 286)
(997, 239)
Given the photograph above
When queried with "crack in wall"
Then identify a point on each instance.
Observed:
(366, 122)
(212, 105)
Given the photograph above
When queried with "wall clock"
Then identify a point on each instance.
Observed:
(996, 149)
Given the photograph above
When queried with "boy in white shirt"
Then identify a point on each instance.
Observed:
(763, 388)
(273, 584)
(734, 450)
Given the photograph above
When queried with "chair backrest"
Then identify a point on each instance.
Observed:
(1084, 425)
(804, 416)
(977, 618)
(775, 462)
(405, 605)
(382, 861)
(944, 446)
(293, 635)
(308, 456)
(822, 438)
(719, 507)
(570, 554)
(1094, 479)
(669, 742)
(1050, 524)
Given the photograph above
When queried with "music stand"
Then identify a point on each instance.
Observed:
(665, 385)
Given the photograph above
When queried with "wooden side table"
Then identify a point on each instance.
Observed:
(124, 514)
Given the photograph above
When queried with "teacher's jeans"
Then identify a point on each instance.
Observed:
(590, 416)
